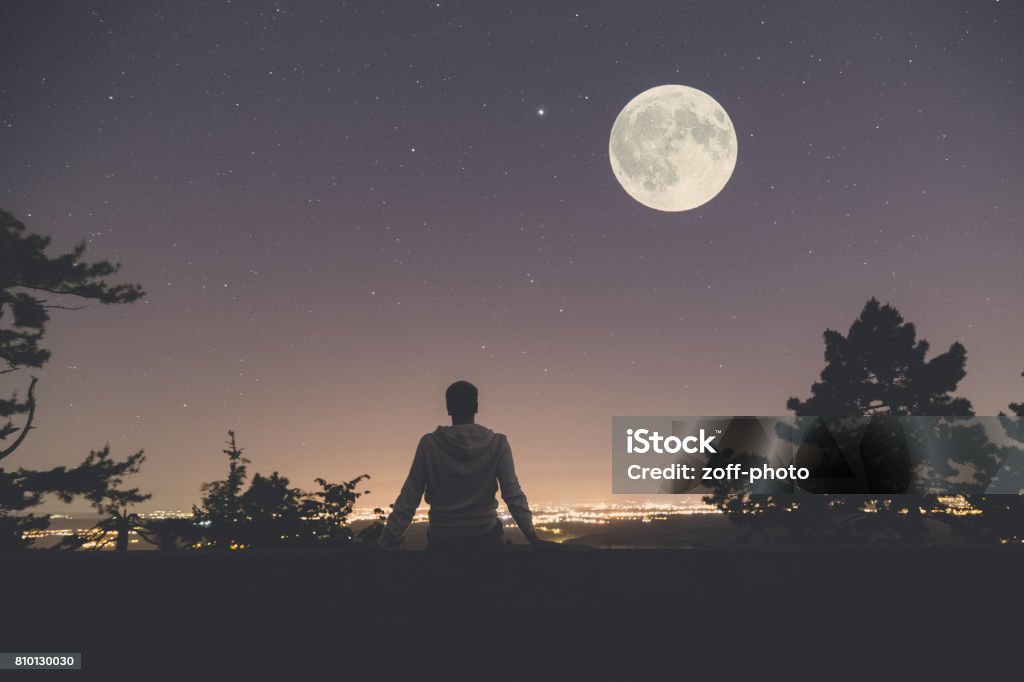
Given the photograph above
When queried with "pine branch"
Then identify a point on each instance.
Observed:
(31, 402)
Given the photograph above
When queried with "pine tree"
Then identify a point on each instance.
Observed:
(878, 370)
(98, 480)
(31, 285)
(879, 367)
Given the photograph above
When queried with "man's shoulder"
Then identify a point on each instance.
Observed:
(497, 434)
(433, 436)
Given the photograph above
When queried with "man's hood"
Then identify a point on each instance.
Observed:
(465, 441)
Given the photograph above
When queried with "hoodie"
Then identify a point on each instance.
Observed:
(459, 468)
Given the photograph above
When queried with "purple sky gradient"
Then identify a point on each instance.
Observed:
(336, 210)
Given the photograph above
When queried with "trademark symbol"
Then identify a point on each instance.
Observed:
(718, 431)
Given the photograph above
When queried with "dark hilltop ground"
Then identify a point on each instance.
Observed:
(780, 612)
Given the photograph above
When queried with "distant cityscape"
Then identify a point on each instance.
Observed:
(559, 522)
(548, 519)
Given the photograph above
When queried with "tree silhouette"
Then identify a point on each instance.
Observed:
(171, 534)
(15, 499)
(29, 281)
(733, 496)
(370, 534)
(880, 370)
(329, 508)
(1017, 408)
(879, 367)
(1002, 514)
(875, 373)
(102, 488)
(1014, 427)
(97, 479)
(31, 285)
(222, 503)
(270, 512)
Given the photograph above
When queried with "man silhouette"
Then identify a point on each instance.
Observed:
(460, 467)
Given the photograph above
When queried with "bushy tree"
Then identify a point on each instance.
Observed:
(879, 367)
(270, 512)
(328, 509)
(878, 370)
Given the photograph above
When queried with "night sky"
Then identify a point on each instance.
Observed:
(338, 208)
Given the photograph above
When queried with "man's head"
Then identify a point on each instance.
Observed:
(461, 400)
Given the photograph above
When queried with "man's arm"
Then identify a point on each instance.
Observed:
(407, 502)
(514, 496)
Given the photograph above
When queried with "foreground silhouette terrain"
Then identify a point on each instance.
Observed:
(809, 612)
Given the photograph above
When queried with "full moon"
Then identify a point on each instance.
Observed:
(672, 148)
